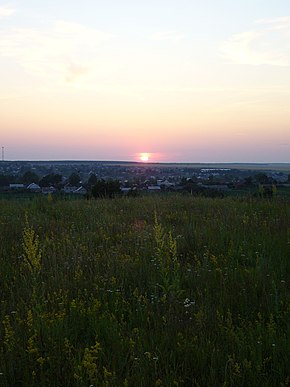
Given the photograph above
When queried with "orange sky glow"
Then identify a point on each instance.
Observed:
(92, 85)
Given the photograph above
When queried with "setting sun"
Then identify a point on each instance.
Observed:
(144, 157)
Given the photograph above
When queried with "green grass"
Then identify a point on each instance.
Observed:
(170, 290)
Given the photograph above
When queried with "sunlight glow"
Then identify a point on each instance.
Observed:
(148, 83)
(144, 157)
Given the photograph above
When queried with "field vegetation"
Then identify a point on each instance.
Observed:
(148, 291)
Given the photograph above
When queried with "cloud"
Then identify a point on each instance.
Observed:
(268, 44)
(6, 11)
(172, 36)
(63, 52)
(75, 71)
(276, 23)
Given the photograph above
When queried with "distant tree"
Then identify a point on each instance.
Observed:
(261, 178)
(92, 180)
(74, 179)
(113, 187)
(211, 179)
(5, 180)
(51, 179)
(99, 189)
(249, 181)
(269, 192)
(106, 189)
(183, 181)
(30, 177)
(188, 184)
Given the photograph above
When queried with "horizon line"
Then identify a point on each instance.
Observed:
(150, 162)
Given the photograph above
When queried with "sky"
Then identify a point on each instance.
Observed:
(179, 80)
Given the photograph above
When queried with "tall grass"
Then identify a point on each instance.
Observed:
(141, 292)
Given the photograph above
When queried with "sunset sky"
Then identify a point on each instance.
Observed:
(181, 80)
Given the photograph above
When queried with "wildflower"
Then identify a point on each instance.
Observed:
(148, 354)
(89, 360)
(32, 252)
(187, 303)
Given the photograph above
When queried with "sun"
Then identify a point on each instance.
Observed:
(144, 157)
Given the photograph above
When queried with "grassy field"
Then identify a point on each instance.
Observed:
(151, 291)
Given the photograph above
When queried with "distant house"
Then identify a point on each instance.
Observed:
(128, 190)
(164, 184)
(33, 187)
(68, 189)
(16, 186)
(80, 191)
(125, 190)
(154, 188)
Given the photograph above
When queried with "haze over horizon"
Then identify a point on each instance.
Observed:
(171, 81)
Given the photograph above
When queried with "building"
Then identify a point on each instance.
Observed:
(33, 187)
(80, 191)
(16, 186)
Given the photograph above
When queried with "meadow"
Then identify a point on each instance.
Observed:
(148, 291)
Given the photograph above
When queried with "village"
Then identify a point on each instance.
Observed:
(78, 178)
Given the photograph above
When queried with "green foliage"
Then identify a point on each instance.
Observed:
(261, 190)
(166, 262)
(50, 179)
(89, 362)
(92, 180)
(274, 190)
(249, 181)
(170, 290)
(5, 180)
(261, 178)
(30, 177)
(31, 249)
(74, 179)
(106, 189)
